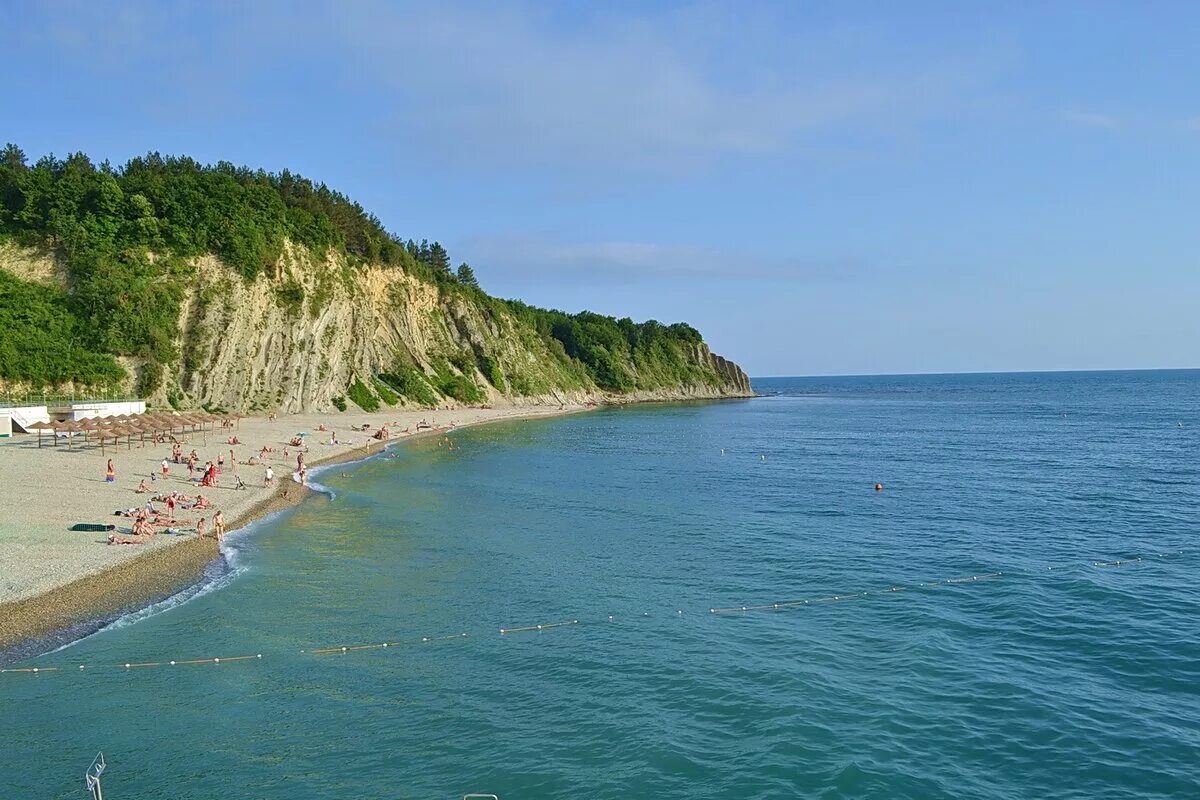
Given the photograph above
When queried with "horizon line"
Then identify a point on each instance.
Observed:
(980, 372)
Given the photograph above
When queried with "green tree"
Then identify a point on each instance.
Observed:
(439, 259)
(466, 275)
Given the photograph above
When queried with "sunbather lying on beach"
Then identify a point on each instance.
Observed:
(115, 539)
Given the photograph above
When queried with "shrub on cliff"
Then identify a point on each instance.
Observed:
(362, 396)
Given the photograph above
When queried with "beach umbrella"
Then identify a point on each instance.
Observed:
(86, 426)
(107, 431)
(39, 427)
(67, 427)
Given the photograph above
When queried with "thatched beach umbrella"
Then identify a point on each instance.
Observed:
(66, 427)
(39, 427)
(108, 432)
(86, 426)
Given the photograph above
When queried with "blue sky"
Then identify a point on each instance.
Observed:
(819, 187)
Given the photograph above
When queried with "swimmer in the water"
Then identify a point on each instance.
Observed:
(879, 487)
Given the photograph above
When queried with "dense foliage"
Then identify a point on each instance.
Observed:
(620, 354)
(40, 339)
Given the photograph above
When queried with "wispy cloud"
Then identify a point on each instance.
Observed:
(544, 257)
(667, 89)
(651, 92)
(1090, 119)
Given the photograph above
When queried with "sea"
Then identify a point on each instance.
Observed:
(1014, 614)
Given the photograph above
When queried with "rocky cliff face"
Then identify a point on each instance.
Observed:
(297, 340)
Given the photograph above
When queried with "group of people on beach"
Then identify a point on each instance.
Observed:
(148, 520)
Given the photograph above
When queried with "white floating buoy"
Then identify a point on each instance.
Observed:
(35, 669)
(81, 666)
(126, 666)
(172, 664)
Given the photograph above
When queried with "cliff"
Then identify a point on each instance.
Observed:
(317, 333)
(234, 288)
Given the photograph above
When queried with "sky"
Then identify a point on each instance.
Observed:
(820, 188)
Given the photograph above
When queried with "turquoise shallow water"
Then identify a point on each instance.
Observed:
(1079, 682)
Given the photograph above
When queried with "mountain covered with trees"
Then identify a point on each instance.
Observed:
(233, 288)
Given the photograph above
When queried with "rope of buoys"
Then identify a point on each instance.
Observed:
(678, 614)
(543, 627)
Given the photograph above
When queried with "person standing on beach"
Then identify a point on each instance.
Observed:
(232, 462)
(219, 526)
(269, 478)
(110, 472)
(201, 528)
(166, 467)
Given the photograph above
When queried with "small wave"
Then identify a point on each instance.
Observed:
(218, 574)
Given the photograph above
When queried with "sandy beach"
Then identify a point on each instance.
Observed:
(52, 576)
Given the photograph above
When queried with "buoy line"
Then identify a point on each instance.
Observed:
(610, 618)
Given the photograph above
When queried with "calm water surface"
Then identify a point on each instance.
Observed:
(1080, 682)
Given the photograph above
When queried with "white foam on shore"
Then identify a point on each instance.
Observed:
(217, 575)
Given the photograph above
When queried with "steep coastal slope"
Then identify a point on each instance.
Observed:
(240, 290)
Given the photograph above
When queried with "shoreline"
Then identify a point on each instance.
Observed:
(155, 575)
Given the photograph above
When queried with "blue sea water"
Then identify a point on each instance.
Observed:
(1081, 681)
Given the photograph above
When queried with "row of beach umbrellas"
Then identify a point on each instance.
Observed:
(127, 426)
